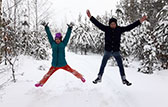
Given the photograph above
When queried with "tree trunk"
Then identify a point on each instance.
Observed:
(0, 29)
(0, 11)
(15, 8)
(36, 16)
(28, 3)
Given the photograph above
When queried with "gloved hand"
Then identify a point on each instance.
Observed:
(71, 25)
(44, 23)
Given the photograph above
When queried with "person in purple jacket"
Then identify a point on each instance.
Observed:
(112, 44)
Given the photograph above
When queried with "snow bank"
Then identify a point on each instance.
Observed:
(64, 90)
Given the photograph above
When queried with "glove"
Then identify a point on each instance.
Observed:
(71, 25)
(44, 23)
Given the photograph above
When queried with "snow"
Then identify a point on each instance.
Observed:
(64, 90)
(147, 47)
(165, 7)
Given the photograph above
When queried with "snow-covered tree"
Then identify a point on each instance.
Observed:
(155, 52)
(17, 34)
(144, 38)
(161, 37)
(82, 41)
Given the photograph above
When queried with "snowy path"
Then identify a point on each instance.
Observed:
(64, 90)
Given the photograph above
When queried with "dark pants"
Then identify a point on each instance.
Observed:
(117, 57)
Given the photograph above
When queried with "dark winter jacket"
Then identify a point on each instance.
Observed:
(113, 36)
(58, 50)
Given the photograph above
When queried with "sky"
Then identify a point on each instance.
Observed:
(65, 11)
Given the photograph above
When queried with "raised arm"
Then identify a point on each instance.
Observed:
(49, 35)
(95, 22)
(133, 25)
(47, 29)
(68, 34)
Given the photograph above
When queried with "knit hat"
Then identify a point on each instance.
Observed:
(58, 36)
(112, 20)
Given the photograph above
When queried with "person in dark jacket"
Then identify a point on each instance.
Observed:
(112, 44)
(58, 54)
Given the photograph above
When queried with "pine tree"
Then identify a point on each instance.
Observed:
(81, 39)
(18, 36)
(161, 35)
(0, 30)
(144, 38)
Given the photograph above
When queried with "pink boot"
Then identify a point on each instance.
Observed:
(83, 79)
(38, 85)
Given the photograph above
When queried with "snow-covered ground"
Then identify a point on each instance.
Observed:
(64, 90)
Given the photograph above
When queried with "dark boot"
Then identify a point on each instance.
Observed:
(126, 82)
(98, 79)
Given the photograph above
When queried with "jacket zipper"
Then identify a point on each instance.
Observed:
(57, 56)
